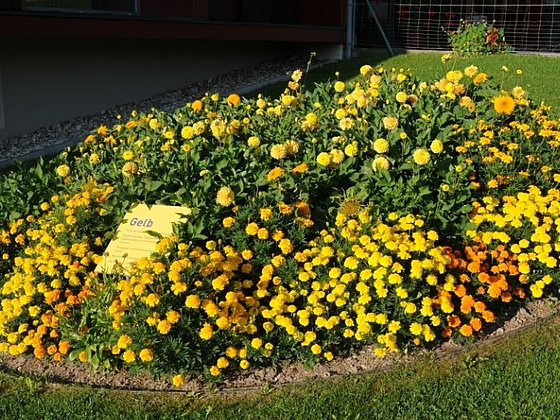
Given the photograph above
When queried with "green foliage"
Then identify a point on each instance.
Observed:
(478, 38)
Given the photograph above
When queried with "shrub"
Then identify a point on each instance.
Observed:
(478, 38)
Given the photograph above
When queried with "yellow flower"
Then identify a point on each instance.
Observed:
(504, 104)
(380, 162)
(480, 78)
(300, 169)
(381, 146)
(228, 222)
(274, 174)
(390, 123)
(178, 380)
(225, 197)
(436, 146)
(421, 156)
(278, 151)
(192, 301)
(351, 150)
(337, 156)
(129, 356)
(146, 355)
(206, 332)
(252, 229)
(63, 171)
(471, 71)
(128, 154)
(94, 159)
(244, 364)
(233, 99)
(339, 86)
(324, 159)
(253, 142)
(124, 341)
(187, 132)
(401, 97)
(129, 169)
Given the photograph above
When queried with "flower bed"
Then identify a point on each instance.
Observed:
(386, 211)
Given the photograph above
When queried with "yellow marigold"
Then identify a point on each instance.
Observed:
(146, 355)
(164, 326)
(337, 156)
(192, 301)
(401, 97)
(324, 159)
(296, 75)
(471, 71)
(285, 246)
(351, 150)
(225, 197)
(381, 146)
(278, 151)
(63, 171)
(253, 142)
(197, 105)
(421, 156)
(380, 162)
(274, 174)
(178, 380)
(504, 104)
(129, 356)
(480, 78)
(228, 222)
(339, 86)
(390, 123)
(436, 146)
(244, 364)
(206, 332)
(518, 92)
(233, 99)
(129, 169)
(252, 229)
(300, 169)
(187, 132)
(124, 341)
(94, 159)
(128, 155)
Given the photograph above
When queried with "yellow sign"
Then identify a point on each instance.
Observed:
(133, 239)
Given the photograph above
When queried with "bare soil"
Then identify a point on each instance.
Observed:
(66, 372)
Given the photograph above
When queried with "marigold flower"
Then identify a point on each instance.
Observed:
(278, 151)
(129, 169)
(206, 332)
(233, 100)
(129, 356)
(504, 104)
(436, 146)
(390, 123)
(274, 174)
(63, 171)
(380, 162)
(324, 159)
(225, 197)
(421, 156)
(178, 380)
(339, 86)
(381, 146)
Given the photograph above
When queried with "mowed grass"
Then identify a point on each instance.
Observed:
(539, 73)
(513, 378)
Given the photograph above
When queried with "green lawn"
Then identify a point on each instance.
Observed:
(538, 77)
(513, 378)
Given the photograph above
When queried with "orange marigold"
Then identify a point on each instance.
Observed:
(466, 330)
(504, 104)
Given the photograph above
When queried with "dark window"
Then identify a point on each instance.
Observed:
(129, 6)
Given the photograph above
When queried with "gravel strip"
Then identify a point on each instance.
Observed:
(52, 139)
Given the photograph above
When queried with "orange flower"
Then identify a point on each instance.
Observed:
(519, 292)
(483, 277)
(506, 297)
(233, 99)
(479, 306)
(446, 333)
(303, 209)
(460, 290)
(300, 169)
(197, 105)
(476, 324)
(474, 267)
(453, 321)
(466, 330)
(494, 291)
(488, 316)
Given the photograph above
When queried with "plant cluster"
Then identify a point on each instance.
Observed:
(478, 38)
(386, 211)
